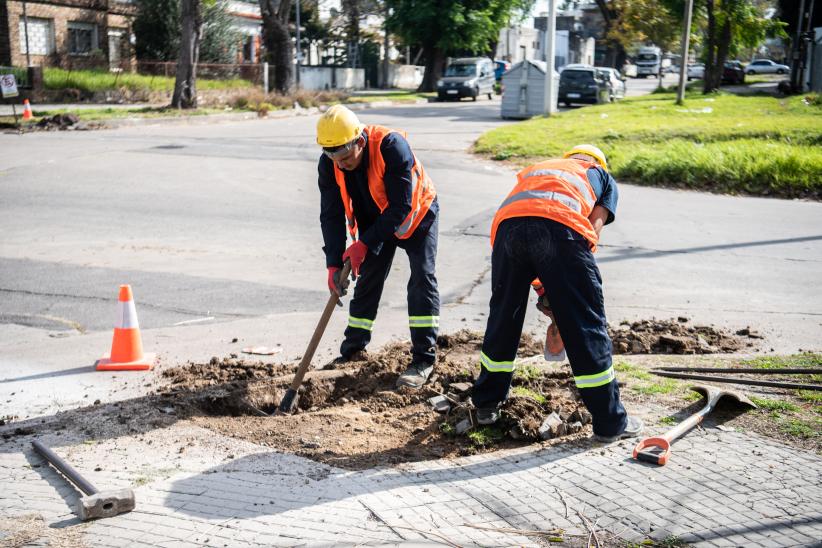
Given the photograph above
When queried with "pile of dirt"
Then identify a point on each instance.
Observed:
(676, 337)
(353, 416)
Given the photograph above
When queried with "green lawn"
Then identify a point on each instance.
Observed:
(102, 80)
(724, 143)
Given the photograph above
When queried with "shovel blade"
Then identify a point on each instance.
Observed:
(713, 395)
(289, 402)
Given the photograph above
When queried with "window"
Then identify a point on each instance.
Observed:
(82, 38)
(41, 36)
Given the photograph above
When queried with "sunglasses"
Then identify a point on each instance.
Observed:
(335, 153)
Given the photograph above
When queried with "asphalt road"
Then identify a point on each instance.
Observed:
(216, 228)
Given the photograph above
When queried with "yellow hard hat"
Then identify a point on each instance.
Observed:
(338, 126)
(591, 151)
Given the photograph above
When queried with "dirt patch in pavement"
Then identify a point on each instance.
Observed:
(677, 337)
(351, 415)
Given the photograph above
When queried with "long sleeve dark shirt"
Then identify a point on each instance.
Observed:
(374, 227)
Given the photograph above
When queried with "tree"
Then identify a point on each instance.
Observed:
(277, 41)
(446, 27)
(731, 26)
(650, 21)
(157, 30)
(615, 54)
(185, 85)
(220, 39)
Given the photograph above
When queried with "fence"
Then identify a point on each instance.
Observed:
(252, 72)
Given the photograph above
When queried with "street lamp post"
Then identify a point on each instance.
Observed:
(299, 50)
(683, 64)
(550, 47)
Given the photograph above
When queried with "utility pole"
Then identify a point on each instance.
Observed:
(686, 42)
(796, 77)
(550, 47)
(26, 31)
(299, 50)
(385, 54)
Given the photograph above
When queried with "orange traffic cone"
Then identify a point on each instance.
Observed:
(27, 115)
(127, 345)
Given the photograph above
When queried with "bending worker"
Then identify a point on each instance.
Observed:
(371, 181)
(548, 228)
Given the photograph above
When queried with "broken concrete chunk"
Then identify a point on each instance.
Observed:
(463, 426)
(460, 387)
(574, 427)
(440, 404)
(549, 426)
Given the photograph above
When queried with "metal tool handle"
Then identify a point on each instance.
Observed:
(65, 468)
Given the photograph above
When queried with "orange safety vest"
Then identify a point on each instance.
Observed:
(422, 189)
(554, 189)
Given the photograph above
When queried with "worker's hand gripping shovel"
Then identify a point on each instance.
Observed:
(656, 450)
(289, 401)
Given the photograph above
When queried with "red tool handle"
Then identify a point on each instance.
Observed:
(653, 457)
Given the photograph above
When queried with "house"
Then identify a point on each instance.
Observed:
(67, 33)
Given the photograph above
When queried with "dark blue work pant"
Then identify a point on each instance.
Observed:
(534, 247)
(423, 295)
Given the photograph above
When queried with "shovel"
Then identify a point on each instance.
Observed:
(712, 396)
(289, 401)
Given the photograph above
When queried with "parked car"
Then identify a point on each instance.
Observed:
(733, 73)
(467, 77)
(629, 70)
(582, 84)
(500, 67)
(696, 71)
(766, 66)
(616, 82)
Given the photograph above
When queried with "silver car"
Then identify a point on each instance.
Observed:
(615, 81)
(766, 66)
(467, 77)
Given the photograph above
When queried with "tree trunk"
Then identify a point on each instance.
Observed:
(185, 85)
(277, 41)
(433, 69)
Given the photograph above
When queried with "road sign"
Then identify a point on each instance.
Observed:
(8, 86)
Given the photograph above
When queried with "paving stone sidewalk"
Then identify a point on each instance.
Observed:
(720, 488)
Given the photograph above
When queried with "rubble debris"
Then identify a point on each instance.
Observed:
(550, 427)
(671, 337)
(440, 404)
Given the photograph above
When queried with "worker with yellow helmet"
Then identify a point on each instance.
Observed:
(544, 234)
(372, 183)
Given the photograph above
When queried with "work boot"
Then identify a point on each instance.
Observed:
(487, 415)
(358, 356)
(632, 429)
(416, 375)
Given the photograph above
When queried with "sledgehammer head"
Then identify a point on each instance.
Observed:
(105, 504)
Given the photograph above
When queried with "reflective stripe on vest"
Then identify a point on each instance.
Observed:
(568, 177)
(496, 367)
(126, 316)
(423, 321)
(544, 195)
(360, 323)
(599, 379)
(409, 221)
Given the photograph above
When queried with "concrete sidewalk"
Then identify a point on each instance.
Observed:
(720, 488)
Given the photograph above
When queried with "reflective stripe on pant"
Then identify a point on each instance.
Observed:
(529, 247)
(423, 295)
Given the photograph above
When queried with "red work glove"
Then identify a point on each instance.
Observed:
(538, 288)
(356, 254)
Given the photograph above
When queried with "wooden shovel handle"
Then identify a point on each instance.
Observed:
(320, 329)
